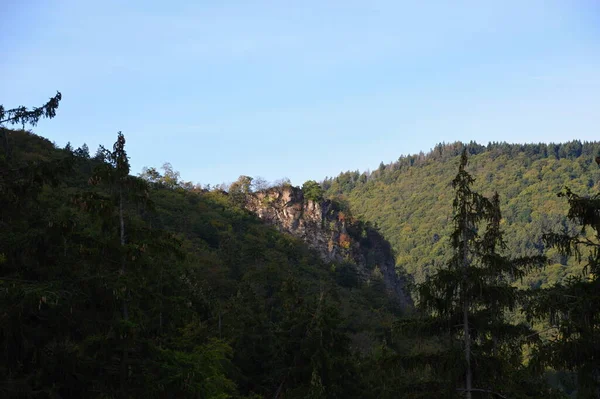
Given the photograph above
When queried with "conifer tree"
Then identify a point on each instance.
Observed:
(573, 308)
(22, 115)
(114, 173)
(469, 297)
(145, 282)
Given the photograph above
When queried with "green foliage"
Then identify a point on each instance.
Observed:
(116, 286)
(312, 191)
(94, 296)
(242, 185)
(239, 189)
(113, 286)
(572, 307)
(169, 178)
(411, 201)
(23, 116)
(469, 297)
(151, 175)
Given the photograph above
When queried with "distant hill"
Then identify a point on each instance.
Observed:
(411, 200)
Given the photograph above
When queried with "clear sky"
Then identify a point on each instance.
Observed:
(302, 89)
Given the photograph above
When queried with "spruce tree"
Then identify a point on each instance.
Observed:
(140, 347)
(573, 307)
(24, 116)
(468, 298)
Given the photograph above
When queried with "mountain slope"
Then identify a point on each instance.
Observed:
(411, 200)
(112, 286)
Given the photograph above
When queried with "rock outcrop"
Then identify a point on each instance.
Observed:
(330, 230)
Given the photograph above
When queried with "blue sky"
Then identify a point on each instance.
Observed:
(302, 89)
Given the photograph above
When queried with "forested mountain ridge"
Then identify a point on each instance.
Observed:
(114, 286)
(411, 200)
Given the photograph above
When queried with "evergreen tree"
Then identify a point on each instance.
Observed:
(83, 152)
(115, 172)
(468, 298)
(22, 115)
(573, 307)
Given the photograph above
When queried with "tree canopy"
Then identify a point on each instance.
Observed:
(116, 286)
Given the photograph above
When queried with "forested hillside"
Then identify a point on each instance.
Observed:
(411, 199)
(114, 286)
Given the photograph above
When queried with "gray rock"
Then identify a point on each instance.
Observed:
(336, 236)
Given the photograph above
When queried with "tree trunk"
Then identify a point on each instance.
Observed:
(467, 334)
(469, 376)
(5, 131)
(125, 354)
(122, 229)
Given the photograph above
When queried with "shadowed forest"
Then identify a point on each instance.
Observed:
(121, 286)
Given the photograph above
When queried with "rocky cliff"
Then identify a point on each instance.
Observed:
(331, 231)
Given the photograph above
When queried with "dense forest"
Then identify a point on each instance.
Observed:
(411, 200)
(117, 286)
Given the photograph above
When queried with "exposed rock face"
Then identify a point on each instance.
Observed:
(330, 231)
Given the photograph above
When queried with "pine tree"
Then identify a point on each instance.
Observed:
(573, 308)
(138, 349)
(469, 297)
(114, 173)
(22, 115)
